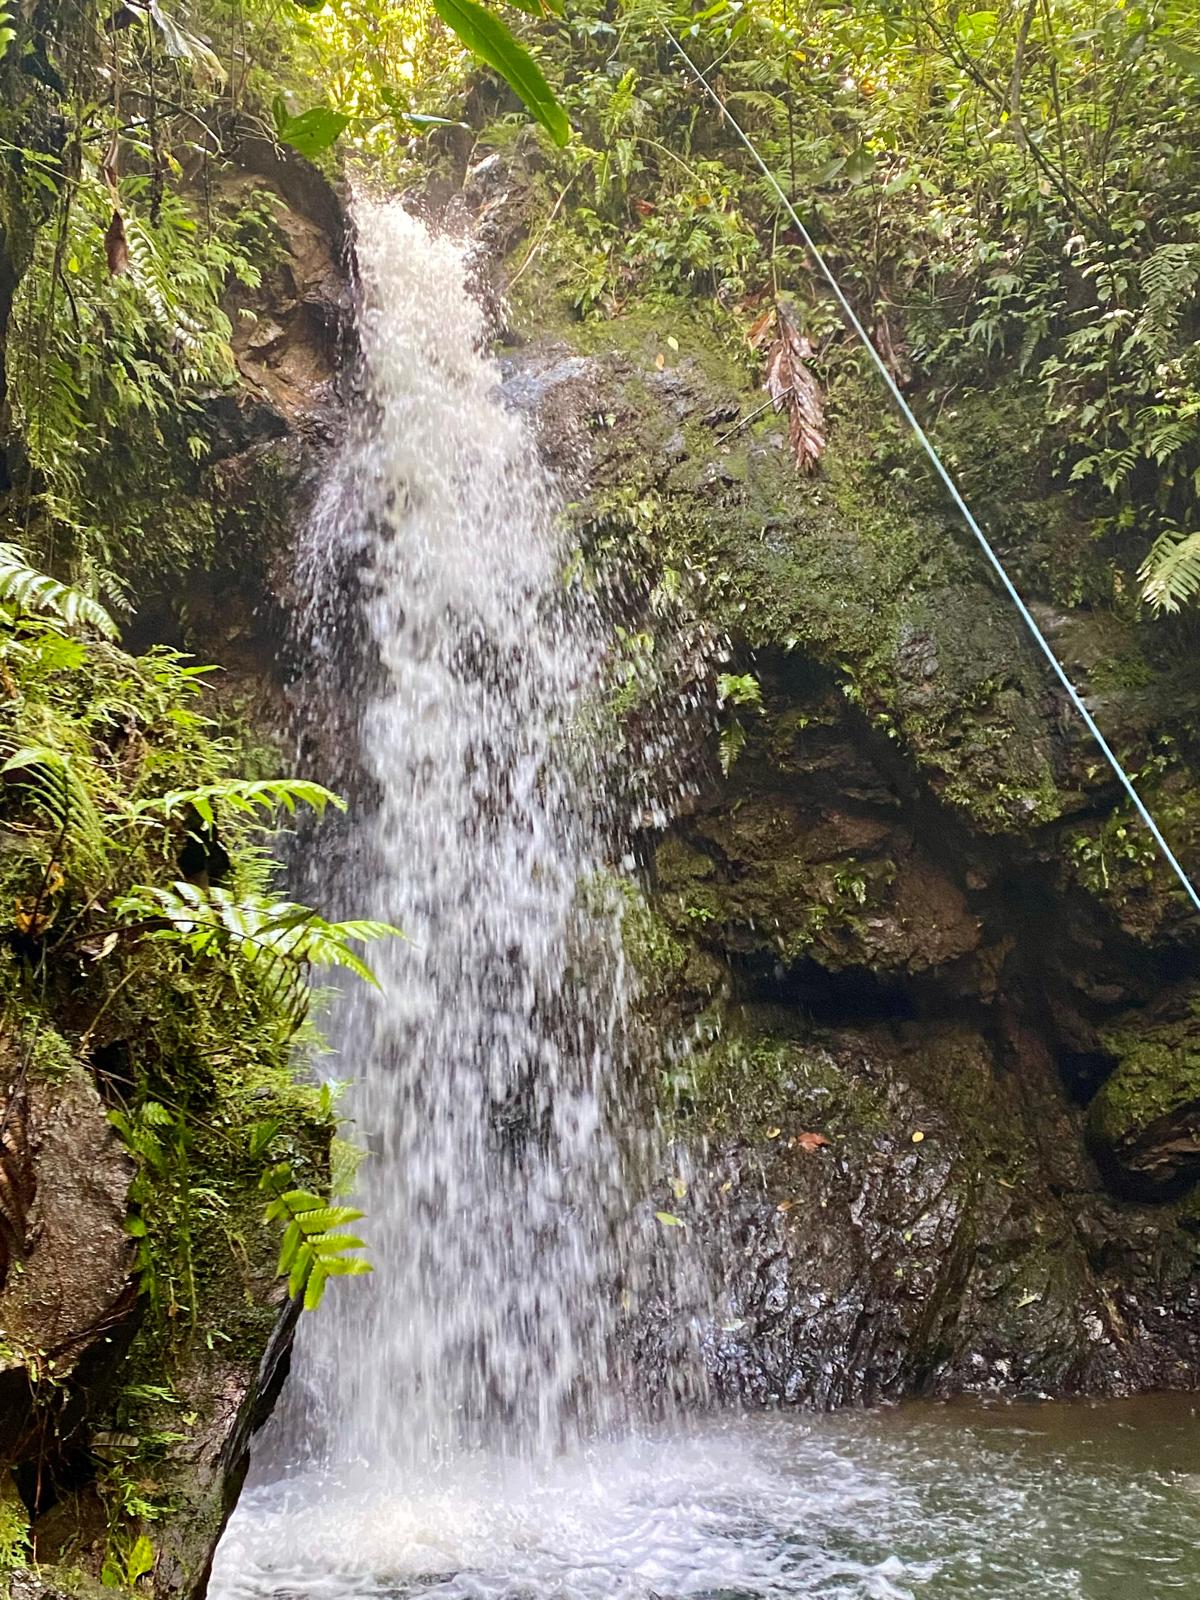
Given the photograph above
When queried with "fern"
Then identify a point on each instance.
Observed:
(26, 589)
(1168, 280)
(1170, 574)
(52, 786)
(313, 1248)
(265, 796)
(280, 941)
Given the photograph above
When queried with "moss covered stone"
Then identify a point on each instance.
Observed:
(1146, 1117)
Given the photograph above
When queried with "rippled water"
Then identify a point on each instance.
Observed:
(1065, 1502)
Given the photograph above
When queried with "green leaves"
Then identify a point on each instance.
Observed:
(312, 132)
(259, 797)
(25, 589)
(487, 37)
(313, 1249)
(52, 786)
(1170, 574)
(279, 941)
(1188, 61)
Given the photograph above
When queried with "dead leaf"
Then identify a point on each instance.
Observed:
(667, 1220)
(644, 208)
(773, 1133)
(678, 1188)
(760, 328)
(660, 361)
(893, 351)
(794, 389)
(18, 1181)
(33, 914)
(116, 246)
(918, 1137)
(810, 1141)
(785, 1205)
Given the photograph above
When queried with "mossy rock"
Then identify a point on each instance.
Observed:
(1145, 1120)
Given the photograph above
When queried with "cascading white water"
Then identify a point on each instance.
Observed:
(483, 1074)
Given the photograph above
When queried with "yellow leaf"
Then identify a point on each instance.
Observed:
(660, 361)
(672, 342)
(678, 1188)
(918, 1137)
(667, 1220)
(773, 1133)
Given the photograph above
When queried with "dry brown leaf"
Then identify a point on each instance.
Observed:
(33, 914)
(794, 389)
(810, 1141)
(760, 328)
(116, 246)
(644, 208)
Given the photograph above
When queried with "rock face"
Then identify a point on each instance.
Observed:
(940, 1102)
(67, 1283)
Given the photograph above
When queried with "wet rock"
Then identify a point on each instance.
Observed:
(914, 915)
(68, 1287)
(1145, 1120)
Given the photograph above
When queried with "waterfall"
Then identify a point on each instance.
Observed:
(461, 1425)
(484, 1073)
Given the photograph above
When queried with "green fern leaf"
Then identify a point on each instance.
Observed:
(26, 589)
(1170, 574)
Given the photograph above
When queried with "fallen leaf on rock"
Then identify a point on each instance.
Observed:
(918, 1137)
(773, 1133)
(809, 1141)
(667, 1220)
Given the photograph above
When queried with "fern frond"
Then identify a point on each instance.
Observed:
(312, 1250)
(279, 940)
(1170, 574)
(266, 796)
(52, 786)
(26, 589)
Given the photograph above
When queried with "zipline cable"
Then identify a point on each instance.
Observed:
(952, 489)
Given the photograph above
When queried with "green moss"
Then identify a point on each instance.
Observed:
(14, 1532)
(750, 1082)
(1157, 1075)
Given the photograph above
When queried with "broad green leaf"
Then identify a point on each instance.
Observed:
(141, 1559)
(420, 120)
(487, 37)
(313, 131)
(1186, 60)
